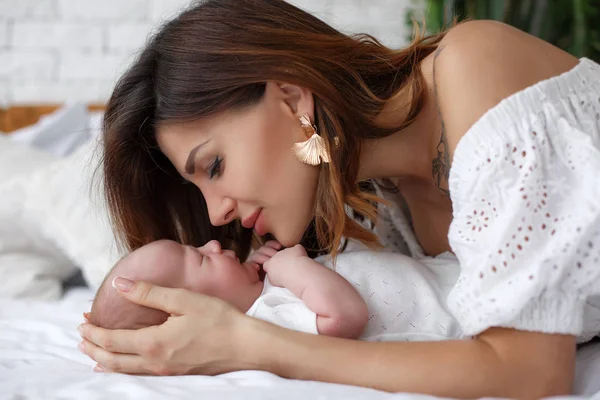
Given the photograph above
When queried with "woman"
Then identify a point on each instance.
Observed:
(210, 123)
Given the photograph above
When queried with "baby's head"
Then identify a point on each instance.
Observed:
(207, 270)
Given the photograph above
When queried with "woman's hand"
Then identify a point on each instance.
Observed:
(205, 335)
(201, 336)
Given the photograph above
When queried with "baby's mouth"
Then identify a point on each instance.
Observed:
(257, 267)
(230, 254)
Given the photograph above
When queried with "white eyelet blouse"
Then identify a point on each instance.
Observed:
(525, 190)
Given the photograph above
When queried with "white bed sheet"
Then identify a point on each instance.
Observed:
(39, 360)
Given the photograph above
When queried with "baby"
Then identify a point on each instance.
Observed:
(371, 295)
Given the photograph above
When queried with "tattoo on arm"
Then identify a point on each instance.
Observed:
(440, 167)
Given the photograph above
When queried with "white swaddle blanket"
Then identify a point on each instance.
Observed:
(406, 298)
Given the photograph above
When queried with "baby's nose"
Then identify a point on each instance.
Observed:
(213, 246)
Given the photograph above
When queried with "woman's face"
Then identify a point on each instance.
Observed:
(243, 163)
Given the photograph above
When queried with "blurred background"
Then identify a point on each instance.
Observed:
(57, 51)
(573, 25)
(59, 61)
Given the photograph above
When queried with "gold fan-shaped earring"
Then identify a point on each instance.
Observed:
(313, 150)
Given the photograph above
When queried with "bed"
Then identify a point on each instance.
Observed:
(39, 359)
(39, 311)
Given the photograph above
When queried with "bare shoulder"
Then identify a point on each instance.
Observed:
(479, 63)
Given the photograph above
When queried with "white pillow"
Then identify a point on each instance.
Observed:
(19, 159)
(95, 123)
(59, 133)
(30, 265)
(67, 199)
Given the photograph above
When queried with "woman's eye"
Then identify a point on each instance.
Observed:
(215, 168)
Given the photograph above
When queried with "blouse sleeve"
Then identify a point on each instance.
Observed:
(281, 307)
(526, 226)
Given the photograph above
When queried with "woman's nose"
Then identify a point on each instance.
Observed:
(221, 211)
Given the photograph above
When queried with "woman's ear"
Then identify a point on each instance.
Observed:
(299, 99)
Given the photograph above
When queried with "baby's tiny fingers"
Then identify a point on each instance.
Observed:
(273, 244)
(268, 251)
(259, 258)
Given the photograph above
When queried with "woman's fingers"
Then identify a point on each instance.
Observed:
(201, 340)
(113, 340)
(121, 351)
(172, 301)
(111, 362)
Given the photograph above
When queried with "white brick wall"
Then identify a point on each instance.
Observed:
(27, 65)
(125, 36)
(26, 9)
(4, 94)
(50, 35)
(165, 9)
(105, 10)
(52, 51)
(3, 33)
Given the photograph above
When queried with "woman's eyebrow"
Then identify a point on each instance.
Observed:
(190, 165)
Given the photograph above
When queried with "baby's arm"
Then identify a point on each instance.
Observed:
(340, 310)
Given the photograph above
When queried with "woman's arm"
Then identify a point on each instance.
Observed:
(340, 309)
(499, 362)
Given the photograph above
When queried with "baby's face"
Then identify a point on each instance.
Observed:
(207, 270)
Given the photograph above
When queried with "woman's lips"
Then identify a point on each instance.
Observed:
(259, 225)
(250, 221)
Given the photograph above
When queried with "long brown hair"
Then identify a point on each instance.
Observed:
(217, 55)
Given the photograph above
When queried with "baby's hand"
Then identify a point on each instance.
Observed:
(282, 261)
(263, 254)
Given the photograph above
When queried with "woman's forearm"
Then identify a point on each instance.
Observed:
(461, 368)
(390, 366)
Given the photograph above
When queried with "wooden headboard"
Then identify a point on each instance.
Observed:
(16, 117)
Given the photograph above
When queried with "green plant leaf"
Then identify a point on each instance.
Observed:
(579, 46)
